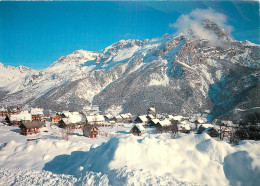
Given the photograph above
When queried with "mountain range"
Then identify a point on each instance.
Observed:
(178, 73)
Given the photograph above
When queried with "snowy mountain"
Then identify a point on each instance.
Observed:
(179, 73)
(9, 74)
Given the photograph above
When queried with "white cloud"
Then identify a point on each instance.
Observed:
(193, 21)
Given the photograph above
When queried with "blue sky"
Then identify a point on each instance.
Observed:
(35, 34)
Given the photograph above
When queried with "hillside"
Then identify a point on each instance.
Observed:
(179, 73)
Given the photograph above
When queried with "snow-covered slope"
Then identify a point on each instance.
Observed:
(9, 74)
(179, 73)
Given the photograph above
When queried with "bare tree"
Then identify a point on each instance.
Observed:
(174, 124)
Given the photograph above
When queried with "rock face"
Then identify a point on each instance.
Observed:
(180, 74)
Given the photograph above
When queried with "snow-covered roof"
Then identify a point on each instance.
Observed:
(32, 124)
(95, 118)
(165, 122)
(183, 126)
(124, 116)
(202, 120)
(185, 122)
(118, 117)
(140, 127)
(143, 118)
(151, 116)
(74, 117)
(22, 116)
(36, 111)
(155, 121)
(152, 109)
(129, 114)
(3, 109)
(178, 118)
(109, 116)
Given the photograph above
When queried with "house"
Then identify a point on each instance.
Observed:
(4, 112)
(211, 131)
(14, 111)
(18, 118)
(163, 123)
(150, 117)
(63, 123)
(138, 130)
(37, 114)
(141, 119)
(125, 117)
(31, 127)
(118, 119)
(184, 127)
(176, 118)
(70, 123)
(152, 122)
(108, 117)
(152, 111)
(90, 131)
(55, 119)
(95, 120)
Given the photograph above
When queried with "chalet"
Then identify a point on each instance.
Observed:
(176, 118)
(95, 120)
(125, 117)
(14, 111)
(18, 118)
(211, 131)
(55, 119)
(141, 119)
(108, 117)
(152, 111)
(90, 131)
(150, 117)
(5, 112)
(138, 130)
(32, 127)
(184, 127)
(152, 122)
(63, 123)
(163, 123)
(69, 123)
(118, 119)
(37, 114)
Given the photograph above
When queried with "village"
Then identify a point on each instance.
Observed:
(89, 148)
(92, 124)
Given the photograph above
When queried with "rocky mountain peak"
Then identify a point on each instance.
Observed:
(209, 25)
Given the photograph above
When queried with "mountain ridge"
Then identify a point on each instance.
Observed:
(176, 72)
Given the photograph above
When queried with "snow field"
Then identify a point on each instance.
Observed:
(151, 159)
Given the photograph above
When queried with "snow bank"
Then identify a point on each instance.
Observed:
(192, 159)
(34, 154)
(30, 177)
(130, 160)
